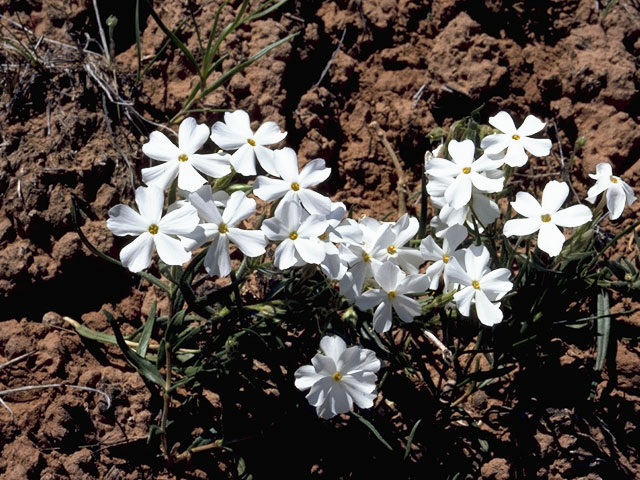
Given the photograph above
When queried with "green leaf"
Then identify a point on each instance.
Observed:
(147, 331)
(143, 366)
(603, 328)
(373, 429)
(414, 429)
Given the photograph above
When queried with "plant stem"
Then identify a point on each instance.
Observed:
(166, 397)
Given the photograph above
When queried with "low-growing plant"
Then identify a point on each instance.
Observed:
(495, 261)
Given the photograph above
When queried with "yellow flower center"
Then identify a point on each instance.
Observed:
(293, 235)
(613, 179)
(183, 157)
(475, 284)
(466, 170)
(153, 229)
(515, 136)
(251, 142)
(445, 259)
(546, 217)
(324, 236)
(391, 294)
(222, 228)
(337, 376)
(392, 250)
(366, 257)
(295, 186)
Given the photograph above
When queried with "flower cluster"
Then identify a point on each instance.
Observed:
(378, 266)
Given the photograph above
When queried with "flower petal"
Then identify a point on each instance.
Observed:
(250, 242)
(550, 239)
(306, 376)
(495, 144)
(239, 207)
(214, 165)
(269, 133)
(161, 175)
(574, 216)
(314, 202)
(333, 346)
(217, 262)
(314, 173)
(150, 201)
(553, 196)
(243, 160)
(266, 159)
(530, 126)
(180, 221)
(463, 299)
(137, 255)
(286, 164)
(521, 226)
(269, 189)
(463, 152)
(188, 177)
(239, 122)
(526, 205)
(406, 308)
(191, 136)
(382, 317)
(160, 148)
(515, 156)
(459, 192)
(226, 138)
(285, 255)
(310, 250)
(503, 122)
(538, 147)
(488, 313)
(388, 275)
(456, 273)
(124, 220)
(170, 250)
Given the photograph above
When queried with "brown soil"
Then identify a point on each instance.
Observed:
(411, 66)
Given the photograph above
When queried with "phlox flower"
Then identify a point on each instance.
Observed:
(339, 377)
(183, 161)
(480, 285)
(376, 237)
(221, 229)
(546, 217)
(293, 185)
(465, 172)
(391, 296)
(440, 256)
(235, 134)
(407, 258)
(298, 233)
(339, 230)
(515, 140)
(152, 229)
(618, 192)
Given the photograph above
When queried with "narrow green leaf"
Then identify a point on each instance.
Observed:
(373, 429)
(603, 328)
(178, 43)
(143, 366)
(414, 429)
(147, 331)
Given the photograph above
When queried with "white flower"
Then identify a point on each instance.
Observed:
(407, 258)
(295, 186)
(182, 161)
(360, 257)
(221, 229)
(431, 251)
(339, 378)
(466, 173)
(394, 285)
(546, 217)
(515, 141)
(152, 229)
(298, 233)
(618, 192)
(235, 134)
(339, 230)
(480, 284)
